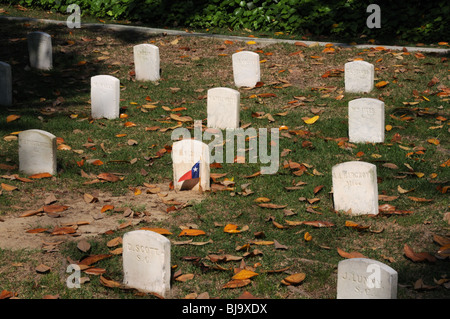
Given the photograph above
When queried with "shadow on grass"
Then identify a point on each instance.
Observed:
(75, 61)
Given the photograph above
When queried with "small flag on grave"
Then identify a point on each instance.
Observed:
(191, 177)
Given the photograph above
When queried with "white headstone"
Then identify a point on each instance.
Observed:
(362, 278)
(366, 120)
(191, 161)
(355, 188)
(146, 261)
(37, 152)
(146, 62)
(5, 84)
(40, 50)
(246, 68)
(223, 107)
(359, 77)
(105, 97)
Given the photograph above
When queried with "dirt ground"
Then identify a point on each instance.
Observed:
(86, 217)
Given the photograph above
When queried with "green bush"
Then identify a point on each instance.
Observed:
(411, 21)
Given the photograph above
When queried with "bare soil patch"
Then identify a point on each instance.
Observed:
(87, 219)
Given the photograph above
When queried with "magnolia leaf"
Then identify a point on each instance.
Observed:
(83, 245)
(191, 232)
(311, 120)
(293, 279)
(244, 274)
(237, 283)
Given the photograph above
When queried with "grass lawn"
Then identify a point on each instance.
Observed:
(298, 82)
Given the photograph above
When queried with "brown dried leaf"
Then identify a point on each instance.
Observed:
(109, 283)
(191, 232)
(185, 277)
(114, 242)
(271, 206)
(352, 254)
(55, 208)
(417, 257)
(236, 283)
(161, 231)
(93, 259)
(83, 245)
(108, 177)
(294, 279)
(42, 269)
(63, 231)
(36, 230)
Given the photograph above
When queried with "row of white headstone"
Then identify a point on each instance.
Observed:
(359, 75)
(147, 267)
(354, 183)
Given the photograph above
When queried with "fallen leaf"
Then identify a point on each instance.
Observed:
(108, 177)
(161, 231)
(350, 255)
(36, 230)
(307, 236)
(417, 257)
(185, 277)
(42, 269)
(233, 229)
(311, 120)
(294, 279)
(83, 245)
(237, 283)
(191, 232)
(8, 188)
(11, 118)
(63, 231)
(357, 226)
(93, 259)
(244, 274)
(114, 242)
(381, 84)
(40, 175)
(5, 294)
(271, 206)
(419, 199)
(109, 283)
(95, 271)
(433, 141)
(55, 208)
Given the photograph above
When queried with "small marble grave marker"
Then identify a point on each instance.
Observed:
(223, 106)
(40, 50)
(5, 84)
(37, 152)
(190, 165)
(355, 188)
(366, 120)
(146, 62)
(246, 68)
(359, 77)
(105, 97)
(146, 261)
(363, 278)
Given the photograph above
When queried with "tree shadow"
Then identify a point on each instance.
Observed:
(66, 87)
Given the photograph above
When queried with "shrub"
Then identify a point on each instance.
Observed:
(414, 20)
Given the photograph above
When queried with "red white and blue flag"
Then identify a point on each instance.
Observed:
(193, 173)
